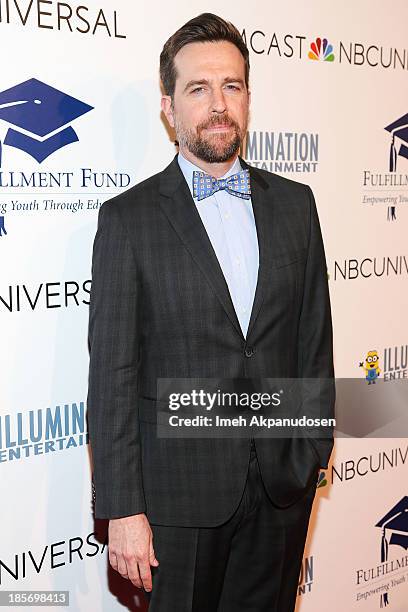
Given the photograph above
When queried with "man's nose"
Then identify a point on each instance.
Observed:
(218, 104)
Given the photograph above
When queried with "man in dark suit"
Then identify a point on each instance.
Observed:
(209, 269)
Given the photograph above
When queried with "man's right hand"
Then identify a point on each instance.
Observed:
(131, 550)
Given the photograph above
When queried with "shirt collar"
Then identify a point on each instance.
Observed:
(187, 168)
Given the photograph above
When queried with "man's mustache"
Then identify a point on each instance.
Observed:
(217, 122)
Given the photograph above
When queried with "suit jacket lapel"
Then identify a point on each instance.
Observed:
(179, 207)
(263, 209)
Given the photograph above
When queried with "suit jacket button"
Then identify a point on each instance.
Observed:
(249, 351)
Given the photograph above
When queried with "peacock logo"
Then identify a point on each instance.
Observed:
(321, 49)
(322, 480)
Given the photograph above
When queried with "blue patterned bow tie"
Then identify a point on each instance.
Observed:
(237, 184)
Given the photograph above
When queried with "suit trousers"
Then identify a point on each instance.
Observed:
(250, 563)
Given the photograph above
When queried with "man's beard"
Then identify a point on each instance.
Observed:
(218, 147)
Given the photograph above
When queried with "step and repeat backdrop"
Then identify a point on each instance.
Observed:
(80, 122)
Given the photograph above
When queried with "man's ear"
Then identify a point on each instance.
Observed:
(167, 108)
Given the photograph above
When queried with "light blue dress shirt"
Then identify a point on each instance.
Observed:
(230, 225)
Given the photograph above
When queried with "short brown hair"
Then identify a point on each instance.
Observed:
(207, 27)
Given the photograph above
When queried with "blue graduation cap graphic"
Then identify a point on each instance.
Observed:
(398, 129)
(40, 116)
(395, 527)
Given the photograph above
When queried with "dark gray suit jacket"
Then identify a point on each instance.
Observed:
(160, 308)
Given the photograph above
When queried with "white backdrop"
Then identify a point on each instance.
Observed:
(337, 112)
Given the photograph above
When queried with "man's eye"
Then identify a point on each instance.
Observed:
(197, 89)
(233, 87)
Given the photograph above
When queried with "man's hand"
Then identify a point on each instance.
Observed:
(131, 549)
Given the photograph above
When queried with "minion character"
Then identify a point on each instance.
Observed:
(371, 367)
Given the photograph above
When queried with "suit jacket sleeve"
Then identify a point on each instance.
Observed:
(316, 338)
(114, 337)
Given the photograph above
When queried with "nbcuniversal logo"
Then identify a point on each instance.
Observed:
(321, 49)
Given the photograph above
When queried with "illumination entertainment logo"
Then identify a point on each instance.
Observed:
(283, 151)
(37, 432)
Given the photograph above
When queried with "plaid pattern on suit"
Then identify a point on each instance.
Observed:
(160, 307)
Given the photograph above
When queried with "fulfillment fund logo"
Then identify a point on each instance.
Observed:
(41, 115)
(390, 188)
(38, 118)
(391, 573)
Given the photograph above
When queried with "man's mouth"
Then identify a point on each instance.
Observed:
(221, 127)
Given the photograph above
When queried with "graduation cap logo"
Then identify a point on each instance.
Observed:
(398, 129)
(394, 531)
(40, 115)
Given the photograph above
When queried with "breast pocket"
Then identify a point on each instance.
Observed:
(289, 257)
(147, 409)
(286, 277)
